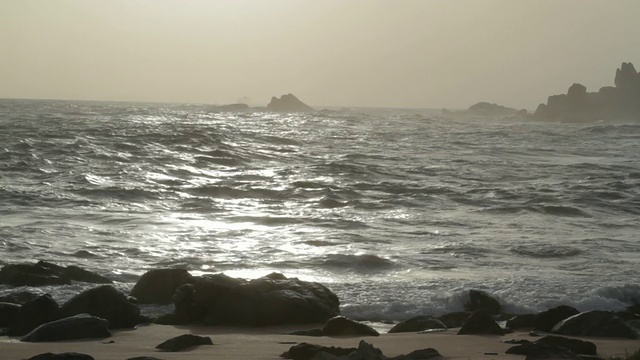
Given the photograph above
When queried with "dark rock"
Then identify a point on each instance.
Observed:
(418, 323)
(306, 351)
(454, 319)
(575, 345)
(634, 309)
(62, 356)
(105, 302)
(595, 323)
(422, 354)
(8, 314)
(312, 332)
(158, 286)
(481, 322)
(20, 297)
(521, 321)
(183, 342)
(488, 109)
(45, 273)
(366, 351)
(143, 358)
(546, 320)
(81, 326)
(480, 300)
(33, 314)
(232, 107)
(342, 326)
(542, 351)
(288, 103)
(270, 300)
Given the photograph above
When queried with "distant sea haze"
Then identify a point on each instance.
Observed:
(397, 211)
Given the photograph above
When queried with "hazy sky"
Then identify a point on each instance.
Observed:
(399, 53)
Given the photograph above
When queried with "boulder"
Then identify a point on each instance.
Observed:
(480, 300)
(270, 300)
(454, 319)
(33, 314)
(288, 103)
(418, 323)
(158, 286)
(20, 297)
(8, 314)
(62, 356)
(366, 351)
(81, 326)
(422, 354)
(546, 320)
(595, 323)
(306, 351)
(44, 273)
(542, 351)
(105, 302)
(577, 346)
(525, 321)
(184, 342)
(479, 323)
(342, 326)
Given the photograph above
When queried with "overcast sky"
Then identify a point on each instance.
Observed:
(395, 53)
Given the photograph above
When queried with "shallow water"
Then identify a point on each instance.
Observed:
(397, 211)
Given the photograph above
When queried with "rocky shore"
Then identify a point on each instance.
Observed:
(218, 301)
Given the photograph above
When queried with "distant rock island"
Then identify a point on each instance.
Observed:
(619, 102)
(288, 102)
(487, 109)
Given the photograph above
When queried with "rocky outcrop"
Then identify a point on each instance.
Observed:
(619, 102)
(62, 356)
(595, 323)
(270, 300)
(306, 351)
(158, 286)
(81, 326)
(288, 103)
(44, 273)
(8, 314)
(485, 109)
(105, 302)
(418, 323)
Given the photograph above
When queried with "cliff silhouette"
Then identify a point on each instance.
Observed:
(619, 102)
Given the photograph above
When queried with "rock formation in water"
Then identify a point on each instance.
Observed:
(621, 101)
(486, 109)
(288, 103)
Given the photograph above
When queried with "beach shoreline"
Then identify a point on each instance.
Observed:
(270, 342)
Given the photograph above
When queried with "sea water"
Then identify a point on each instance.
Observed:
(398, 211)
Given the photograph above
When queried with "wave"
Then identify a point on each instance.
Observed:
(546, 251)
(359, 263)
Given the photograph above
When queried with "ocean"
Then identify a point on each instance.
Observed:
(398, 211)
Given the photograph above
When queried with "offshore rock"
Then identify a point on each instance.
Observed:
(44, 273)
(619, 102)
(418, 323)
(288, 103)
(342, 326)
(33, 314)
(489, 109)
(481, 323)
(546, 320)
(480, 300)
(184, 342)
(595, 323)
(81, 326)
(158, 286)
(270, 300)
(105, 302)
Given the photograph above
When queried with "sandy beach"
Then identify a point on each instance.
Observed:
(269, 343)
